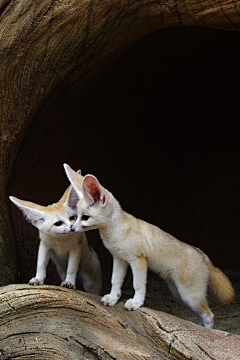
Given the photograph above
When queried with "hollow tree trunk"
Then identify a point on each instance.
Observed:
(45, 46)
(48, 322)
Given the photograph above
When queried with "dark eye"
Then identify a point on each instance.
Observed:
(72, 218)
(58, 223)
(85, 217)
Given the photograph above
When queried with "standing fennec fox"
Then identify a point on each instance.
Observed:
(186, 269)
(77, 263)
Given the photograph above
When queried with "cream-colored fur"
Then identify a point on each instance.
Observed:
(186, 269)
(77, 263)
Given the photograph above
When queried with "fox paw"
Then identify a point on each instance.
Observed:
(36, 281)
(108, 300)
(68, 284)
(132, 304)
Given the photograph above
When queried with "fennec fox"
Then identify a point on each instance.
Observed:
(77, 263)
(186, 269)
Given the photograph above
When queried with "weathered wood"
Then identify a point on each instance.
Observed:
(48, 322)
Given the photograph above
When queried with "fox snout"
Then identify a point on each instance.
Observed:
(76, 228)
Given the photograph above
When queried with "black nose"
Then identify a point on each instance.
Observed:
(72, 229)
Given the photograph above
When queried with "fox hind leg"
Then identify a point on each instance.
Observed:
(198, 304)
(202, 311)
(204, 314)
(174, 290)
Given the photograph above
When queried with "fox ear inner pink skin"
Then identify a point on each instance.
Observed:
(92, 190)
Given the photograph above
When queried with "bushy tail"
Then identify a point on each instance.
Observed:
(220, 285)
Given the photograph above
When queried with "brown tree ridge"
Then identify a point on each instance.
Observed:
(45, 46)
(48, 322)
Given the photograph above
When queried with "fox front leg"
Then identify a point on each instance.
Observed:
(139, 270)
(118, 275)
(72, 268)
(42, 262)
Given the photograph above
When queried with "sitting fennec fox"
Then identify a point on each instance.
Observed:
(186, 269)
(77, 263)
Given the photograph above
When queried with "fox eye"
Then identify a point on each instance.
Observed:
(58, 223)
(85, 217)
(72, 218)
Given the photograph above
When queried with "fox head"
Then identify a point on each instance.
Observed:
(96, 204)
(56, 219)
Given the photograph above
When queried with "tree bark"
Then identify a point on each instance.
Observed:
(48, 322)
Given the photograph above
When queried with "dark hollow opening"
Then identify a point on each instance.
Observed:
(159, 127)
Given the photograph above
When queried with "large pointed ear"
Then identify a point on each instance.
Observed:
(31, 211)
(75, 178)
(93, 192)
(73, 198)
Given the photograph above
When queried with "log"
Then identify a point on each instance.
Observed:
(50, 322)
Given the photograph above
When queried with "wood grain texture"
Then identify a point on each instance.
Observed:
(48, 322)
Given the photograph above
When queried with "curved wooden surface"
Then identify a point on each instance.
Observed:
(48, 322)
